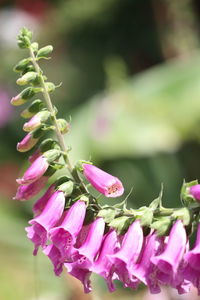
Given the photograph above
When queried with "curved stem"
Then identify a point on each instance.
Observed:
(50, 107)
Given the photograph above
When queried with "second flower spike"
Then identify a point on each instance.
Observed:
(103, 182)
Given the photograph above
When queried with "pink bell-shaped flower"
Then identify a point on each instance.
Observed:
(25, 192)
(169, 260)
(51, 214)
(35, 171)
(103, 182)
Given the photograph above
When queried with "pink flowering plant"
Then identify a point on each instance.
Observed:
(148, 245)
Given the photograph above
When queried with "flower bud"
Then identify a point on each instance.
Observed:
(67, 188)
(63, 125)
(34, 46)
(50, 86)
(27, 143)
(24, 38)
(51, 155)
(27, 78)
(33, 109)
(21, 65)
(26, 94)
(103, 182)
(36, 121)
(49, 144)
(45, 51)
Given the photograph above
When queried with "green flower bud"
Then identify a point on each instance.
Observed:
(50, 86)
(52, 155)
(34, 46)
(49, 144)
(45, 51)
(24, 38)
(63, 125)
(66, 187)
(29, 92)
(36, 106)
(27, 78)
(21, 65)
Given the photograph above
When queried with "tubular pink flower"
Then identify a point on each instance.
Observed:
(103, 266)
(41, 203)
(64, 236)
(35, 171)
(54, 255)
(195, 191)
(51, 214)
(193, 257)
(17, 100)
(169, 260)
(103, 182)
(84, 256)
(27, 143)
(143, 268)
(25, 192)
(128, 254)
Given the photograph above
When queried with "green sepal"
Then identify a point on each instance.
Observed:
(29, 92)
(50, 86)
(21, 65)
(63, 125)
(162, 225)
(49, 144)
(61, 180)
(50, 171)
(66, 187)
(36, 106)
(156, 203)
(79, 165)
(24, 38)
(35, 46)
(29, 77)
(183, 214)
(145, 215)
(52, 155)
(37, 133)
(186, 198)
(45, 51)
(121, 224)
(108, 214)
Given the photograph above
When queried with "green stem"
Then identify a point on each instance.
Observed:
(50, 107)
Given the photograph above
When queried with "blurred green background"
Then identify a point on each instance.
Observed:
(131, 83)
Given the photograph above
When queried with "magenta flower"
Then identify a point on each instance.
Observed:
(127, 256)
(103, 182)
(25, 192)
(35, 171)
(143, 268)
(195, 191)
(84, 256)
(38, 232)
(64, 236)
(41, 203)
(103, 266)
(27, 143)
(169, 260)
(54, 255)
(193, 257)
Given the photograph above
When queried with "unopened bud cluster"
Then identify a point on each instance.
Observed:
(148, 245)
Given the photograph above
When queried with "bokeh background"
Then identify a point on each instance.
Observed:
(131, 87)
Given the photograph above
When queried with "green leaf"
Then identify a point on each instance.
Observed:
(158, 201)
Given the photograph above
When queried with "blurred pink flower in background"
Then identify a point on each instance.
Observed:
(6, 108)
